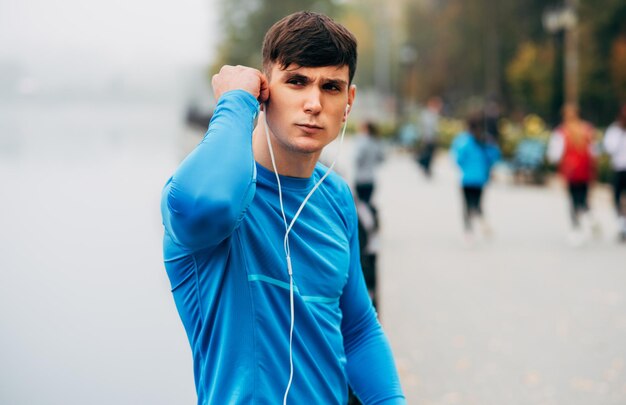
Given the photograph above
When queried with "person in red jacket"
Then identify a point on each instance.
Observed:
(571, 146)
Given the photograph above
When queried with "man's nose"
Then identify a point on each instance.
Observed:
(313, 102)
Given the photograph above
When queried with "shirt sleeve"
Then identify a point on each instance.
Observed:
(380, 151)
(494, 154)
(359, 151)
(207, 195)
(556, 147)
(453, 150)
(456, 150)
(370, 366)
(611, 140)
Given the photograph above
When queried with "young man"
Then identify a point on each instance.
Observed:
(227, 250)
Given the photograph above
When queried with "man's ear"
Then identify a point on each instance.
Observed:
(266, 70)
(351, 95)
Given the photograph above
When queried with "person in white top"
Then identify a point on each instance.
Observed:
(429, 123)
(368, 153)
(615, 145)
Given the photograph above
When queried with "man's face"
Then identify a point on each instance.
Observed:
(307, 106)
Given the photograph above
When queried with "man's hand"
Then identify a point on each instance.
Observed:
(240, 78)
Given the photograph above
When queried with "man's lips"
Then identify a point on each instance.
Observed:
(309, 128)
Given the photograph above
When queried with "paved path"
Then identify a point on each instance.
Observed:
(521, 319)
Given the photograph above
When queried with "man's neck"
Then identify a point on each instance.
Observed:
(288, 163)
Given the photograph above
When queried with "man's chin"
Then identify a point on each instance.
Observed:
(308, 147)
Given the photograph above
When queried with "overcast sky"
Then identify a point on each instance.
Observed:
(106, 35)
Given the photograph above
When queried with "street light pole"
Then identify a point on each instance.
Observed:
(407, 58)
(562, 22)
(571, 52)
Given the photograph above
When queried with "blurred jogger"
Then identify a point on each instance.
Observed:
(429, 125)
(615, 146)
(368, 155)
(571, 147)
(475, 155)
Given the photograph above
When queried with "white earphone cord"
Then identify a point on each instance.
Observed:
(288, 229)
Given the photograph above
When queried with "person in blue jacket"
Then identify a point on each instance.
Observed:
(261, 243)
(475, 154)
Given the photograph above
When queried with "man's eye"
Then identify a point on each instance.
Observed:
(332, 87)
(296, 82)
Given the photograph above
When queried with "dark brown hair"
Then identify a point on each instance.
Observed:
(475, 121)
(310, 40)
(372, 128)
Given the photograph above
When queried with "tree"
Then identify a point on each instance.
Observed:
(464, 47)
(603, 68)
(462, 50)
(245, 22)
(528, 74)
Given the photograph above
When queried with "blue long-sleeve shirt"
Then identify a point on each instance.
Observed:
(475, 159)
(223, 252)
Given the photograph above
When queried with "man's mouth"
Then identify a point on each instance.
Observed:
(309, 128)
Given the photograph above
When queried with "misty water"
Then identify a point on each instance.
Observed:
(85, 310)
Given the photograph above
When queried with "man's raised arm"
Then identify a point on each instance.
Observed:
(209, 192)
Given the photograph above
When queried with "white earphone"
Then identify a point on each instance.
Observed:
(288, 228)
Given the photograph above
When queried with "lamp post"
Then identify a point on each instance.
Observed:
(407, 58)
(562, 22)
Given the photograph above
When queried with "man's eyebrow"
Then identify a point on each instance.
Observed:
(297, 76)
(306, 79)
(336, 82)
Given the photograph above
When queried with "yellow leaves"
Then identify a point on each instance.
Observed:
(525, 58)
(535, 127)
(530, 74)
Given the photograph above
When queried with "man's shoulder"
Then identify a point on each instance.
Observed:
(333, 180)
(462, 139)
(335, 185)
